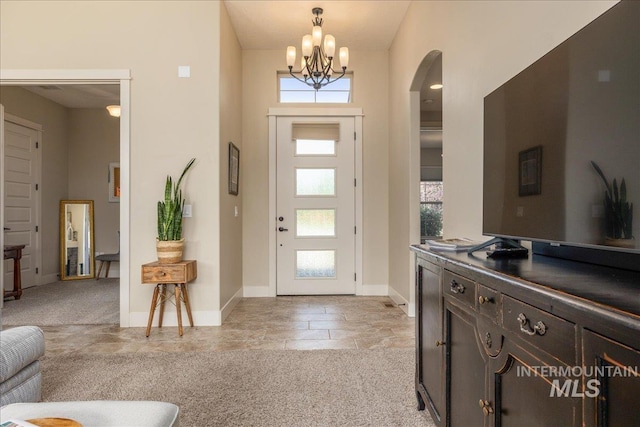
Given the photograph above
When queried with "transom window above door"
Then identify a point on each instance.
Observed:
(291, 90)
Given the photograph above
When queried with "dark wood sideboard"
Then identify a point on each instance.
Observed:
(526, 342)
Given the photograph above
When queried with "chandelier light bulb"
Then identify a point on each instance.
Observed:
(317, 35)
(291, 56)
(329, 45)
(344, 57)
(307, 45)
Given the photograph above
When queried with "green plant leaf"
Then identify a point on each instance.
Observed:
(170, 211)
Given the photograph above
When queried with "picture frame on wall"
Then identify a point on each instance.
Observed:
(114, 182)
(530, 171)
(234, 168)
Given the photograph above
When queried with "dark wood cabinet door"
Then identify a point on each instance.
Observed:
(524, 399)
(429, 340)
(465, 370)
(611, 370)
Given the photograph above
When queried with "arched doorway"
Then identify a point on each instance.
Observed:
(425, 204)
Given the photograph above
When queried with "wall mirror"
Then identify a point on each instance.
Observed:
(77, 259)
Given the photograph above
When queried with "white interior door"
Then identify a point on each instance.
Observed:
(315, 207)
(20, 200)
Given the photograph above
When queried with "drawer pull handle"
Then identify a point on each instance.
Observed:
(539, 328)
(440, 343)
(486, 407)
(487, 340)
(484, 300)
(457, 288)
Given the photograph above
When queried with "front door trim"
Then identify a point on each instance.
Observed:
(274, 113)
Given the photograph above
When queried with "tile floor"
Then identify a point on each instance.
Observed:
(282, 323)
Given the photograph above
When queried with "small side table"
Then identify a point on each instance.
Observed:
(177, 274)
(14, 252)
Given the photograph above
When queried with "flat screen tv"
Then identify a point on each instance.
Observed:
(548, 130)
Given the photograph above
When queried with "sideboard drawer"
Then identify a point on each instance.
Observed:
(181, 272)
(545, 331)
(460, 288)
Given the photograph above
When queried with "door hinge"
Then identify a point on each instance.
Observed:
(355, 230)
(37, 187)
(355, 182)
(37, 144)
(354, 136)
(36, 228)
(355, 277)
(37, 270)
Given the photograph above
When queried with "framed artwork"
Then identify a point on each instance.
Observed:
(114, 182)
(530, 171)
(234, 168)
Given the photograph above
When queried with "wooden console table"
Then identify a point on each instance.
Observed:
(178, 274)
(14, 252)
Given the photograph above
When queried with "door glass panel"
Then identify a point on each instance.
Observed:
(315, 222)
(315, 182)
(315, 264)
(315, 147)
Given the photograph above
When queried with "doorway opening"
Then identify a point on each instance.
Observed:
(426, 219)
(91, 82)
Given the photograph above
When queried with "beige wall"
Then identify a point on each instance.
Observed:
(54, 120)
(172, 119)
(483, 44)
(260, 92)
(94, 142)
(230, 130)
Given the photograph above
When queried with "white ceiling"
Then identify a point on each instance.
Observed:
(276, 24)
(79, 96)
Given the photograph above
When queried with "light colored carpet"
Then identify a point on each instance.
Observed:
(250, 388)
(74, 302)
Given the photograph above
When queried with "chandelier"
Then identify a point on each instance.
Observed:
(317, 62)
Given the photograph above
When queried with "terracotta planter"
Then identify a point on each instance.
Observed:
(620, 243)
(169, 251)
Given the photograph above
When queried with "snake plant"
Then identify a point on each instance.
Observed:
(170, 209)
(618, 212)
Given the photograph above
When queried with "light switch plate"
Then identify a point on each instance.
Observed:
(184, 71)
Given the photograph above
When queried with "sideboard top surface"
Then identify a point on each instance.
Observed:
(609, 288)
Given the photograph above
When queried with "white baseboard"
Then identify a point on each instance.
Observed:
(375, 290)
(230, 305)
(256, 292)
(48, 278)
(200, 318)
(404, 305)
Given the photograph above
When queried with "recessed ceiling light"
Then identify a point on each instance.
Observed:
(436, 86)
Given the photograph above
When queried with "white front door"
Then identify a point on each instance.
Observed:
(315, 207)
(20, 199)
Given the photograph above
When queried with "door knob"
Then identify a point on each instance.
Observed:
(282, 229)
(6, 228)
(280, 218)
